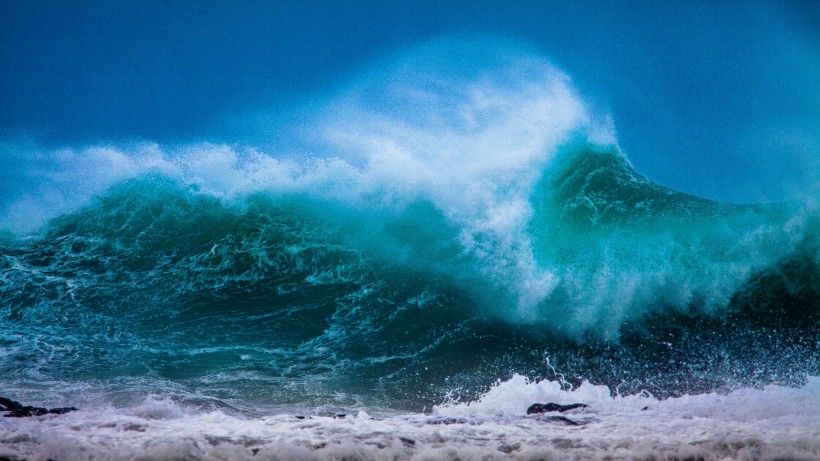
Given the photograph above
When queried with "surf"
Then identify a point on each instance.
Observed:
(442, 226)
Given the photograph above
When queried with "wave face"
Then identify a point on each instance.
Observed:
(294, 301)
(467, 222)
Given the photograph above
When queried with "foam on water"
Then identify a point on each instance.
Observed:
(790, 406)
(751, 424)
(447, 223)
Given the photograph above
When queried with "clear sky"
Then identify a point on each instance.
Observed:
(716, 98)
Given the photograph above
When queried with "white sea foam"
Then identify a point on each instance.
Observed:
(465, 129)
(749, 424)
(471, 139)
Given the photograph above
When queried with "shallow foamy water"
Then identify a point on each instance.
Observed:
(749, 424)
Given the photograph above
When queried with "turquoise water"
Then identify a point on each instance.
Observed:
(280, 300)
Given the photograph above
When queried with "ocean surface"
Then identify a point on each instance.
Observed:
(219, 303)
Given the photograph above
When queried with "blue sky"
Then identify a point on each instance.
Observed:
(720, 99)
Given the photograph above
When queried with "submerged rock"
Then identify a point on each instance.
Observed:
(539, 408)
(16, 409)
(562, 420)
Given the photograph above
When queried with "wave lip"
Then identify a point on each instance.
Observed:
(625, 247)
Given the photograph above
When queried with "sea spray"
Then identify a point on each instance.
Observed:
(289, 297)
(441, 228)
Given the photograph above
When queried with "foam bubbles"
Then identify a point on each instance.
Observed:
(155, 407)
(514, 396)
(775, 404)
(767, 424)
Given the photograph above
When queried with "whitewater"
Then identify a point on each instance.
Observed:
(440, 244)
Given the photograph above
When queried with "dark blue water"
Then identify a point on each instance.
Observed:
(304, 300)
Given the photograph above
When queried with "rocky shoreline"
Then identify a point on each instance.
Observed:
(14, 409)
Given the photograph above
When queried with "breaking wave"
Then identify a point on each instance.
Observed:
(463, 224)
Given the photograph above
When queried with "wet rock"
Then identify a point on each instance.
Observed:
(16, 409)
(561, 420)
(509, 448)
(447, 421)
(539, 408)
(407, 442)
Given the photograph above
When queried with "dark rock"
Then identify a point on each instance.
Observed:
(134, 427)
(446, 421)
(507, 448)
(560, 419)
(18, 410)
(407, 442)
(61, 410)
(538, 408)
